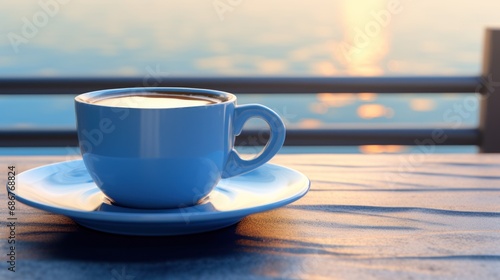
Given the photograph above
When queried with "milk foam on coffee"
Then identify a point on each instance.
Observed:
(156, 101)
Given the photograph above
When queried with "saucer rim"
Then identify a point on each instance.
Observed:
(144, 218)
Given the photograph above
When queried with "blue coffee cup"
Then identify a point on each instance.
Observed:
(161, 156)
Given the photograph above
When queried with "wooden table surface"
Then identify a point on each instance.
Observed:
(414, 216)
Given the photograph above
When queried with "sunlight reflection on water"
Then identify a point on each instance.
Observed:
(254, 38)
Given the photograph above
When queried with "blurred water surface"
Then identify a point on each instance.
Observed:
(251, 38)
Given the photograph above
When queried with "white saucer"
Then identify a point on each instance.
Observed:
(66, 188)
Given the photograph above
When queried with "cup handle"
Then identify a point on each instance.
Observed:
(235, 164)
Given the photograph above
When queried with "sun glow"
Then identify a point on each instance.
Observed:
(366, 38)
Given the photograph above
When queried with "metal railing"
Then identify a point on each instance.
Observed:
(486, 136)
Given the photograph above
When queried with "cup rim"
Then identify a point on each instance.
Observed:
(91, 97)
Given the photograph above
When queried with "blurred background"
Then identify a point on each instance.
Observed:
(250, 38)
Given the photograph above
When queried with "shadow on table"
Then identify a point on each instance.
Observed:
(69, 241)
(87, 244)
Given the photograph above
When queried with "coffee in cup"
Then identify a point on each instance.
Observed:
(155, 101)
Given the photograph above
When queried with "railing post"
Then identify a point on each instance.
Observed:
(489, 123)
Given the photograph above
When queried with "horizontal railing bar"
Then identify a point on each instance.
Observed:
(355, 137)
(295, 137)
(274, 85)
